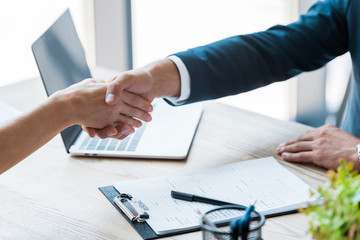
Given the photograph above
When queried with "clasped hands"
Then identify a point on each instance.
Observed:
(133, 91)
(131, 94)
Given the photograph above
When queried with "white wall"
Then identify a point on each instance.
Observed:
(162, 27)
(22, 22)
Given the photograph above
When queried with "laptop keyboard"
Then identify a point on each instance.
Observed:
(128, 144)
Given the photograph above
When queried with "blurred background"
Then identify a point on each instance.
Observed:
(125, 34)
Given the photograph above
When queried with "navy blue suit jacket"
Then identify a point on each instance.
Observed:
(241, 63)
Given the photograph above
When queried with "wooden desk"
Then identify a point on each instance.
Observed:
(51, 195)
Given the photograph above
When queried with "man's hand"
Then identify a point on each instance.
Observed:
(159, 79)
(323, 146)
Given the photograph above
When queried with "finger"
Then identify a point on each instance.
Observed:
(106, 132)
(297, 157)
(135, 112)
(115, 88)
(302, 138)
(296, 147)
(123, 131)
(89, 131)
(137, 101)
(128, 120)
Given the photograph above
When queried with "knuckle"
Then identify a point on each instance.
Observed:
(130, 121)
(286, 148)
(318, 152)
(136, 101)
(117, 136)
(321, 141)
(299, 138)
(143, 115)
(292, 148)
(293, 157)
(101, 135)
(323, 133)
(115, 84)
(329, 126)
(127, 120)
(133, 99)
(295, 147)
(299, 156)
(309, 131)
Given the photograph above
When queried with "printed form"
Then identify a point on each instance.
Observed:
(276, 189)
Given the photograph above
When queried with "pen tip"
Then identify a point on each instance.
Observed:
(254, 202)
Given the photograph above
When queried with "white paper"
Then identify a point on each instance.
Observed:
(7, 112)
(275, 188)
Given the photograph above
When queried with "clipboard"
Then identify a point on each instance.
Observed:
(180, 217)
(144, 230)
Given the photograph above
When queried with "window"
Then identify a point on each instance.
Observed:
(162, 27)
(22, 22)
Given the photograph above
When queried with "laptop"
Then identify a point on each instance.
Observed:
(61, 61)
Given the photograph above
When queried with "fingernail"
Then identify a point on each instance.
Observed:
(125, 131)
(281, 144)
(280, 149)
(284, 155)
(148, 118)
(150, 108)
(138, 124)
(110, 97)
(111, 133)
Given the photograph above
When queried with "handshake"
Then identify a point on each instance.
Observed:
(113, 109)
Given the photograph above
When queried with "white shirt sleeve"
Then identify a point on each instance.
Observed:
(184, 79)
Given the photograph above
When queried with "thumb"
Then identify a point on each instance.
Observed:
(111, 96)
(114, 89)
(90, 131)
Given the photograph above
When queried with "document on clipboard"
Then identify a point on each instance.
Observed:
(276, 189)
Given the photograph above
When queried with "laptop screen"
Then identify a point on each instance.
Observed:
(60, 58)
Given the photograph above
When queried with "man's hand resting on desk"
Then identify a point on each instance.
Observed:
(159, 79)
(323, 146)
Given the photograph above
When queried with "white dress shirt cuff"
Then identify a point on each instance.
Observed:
(184, 79)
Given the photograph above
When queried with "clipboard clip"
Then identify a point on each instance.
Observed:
(133, 209)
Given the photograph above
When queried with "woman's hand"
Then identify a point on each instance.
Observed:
(84, 103)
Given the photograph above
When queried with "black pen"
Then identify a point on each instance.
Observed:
(194, 198)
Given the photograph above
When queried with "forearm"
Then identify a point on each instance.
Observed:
(21, 137)
(246, 62)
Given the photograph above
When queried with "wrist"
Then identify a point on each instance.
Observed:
(61, 110)
(166, 78)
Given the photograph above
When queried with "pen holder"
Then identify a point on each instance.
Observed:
(212, 230)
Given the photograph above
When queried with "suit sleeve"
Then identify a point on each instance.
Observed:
(242, 63)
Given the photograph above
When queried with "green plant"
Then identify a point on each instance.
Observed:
(338, 217)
